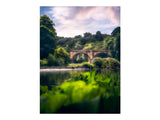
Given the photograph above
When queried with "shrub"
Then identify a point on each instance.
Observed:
(111, 63)
(87, 65)
(60, 62)
(97, 62)
(43, 62)
(53, 61)
(43, 89)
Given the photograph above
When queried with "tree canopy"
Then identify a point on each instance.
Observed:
(116, 31)
(47, 36)
(99, 36)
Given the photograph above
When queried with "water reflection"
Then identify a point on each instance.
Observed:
(56, 78)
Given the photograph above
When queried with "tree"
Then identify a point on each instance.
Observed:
(116, 31)
(47, 37)
(78, 46)
(78, 36)
(99, 36)
(87, 34)
(117, 48)
(61, 53)
(53, 61)
(46, 21)
(113, 43)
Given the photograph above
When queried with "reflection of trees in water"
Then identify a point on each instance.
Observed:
(55, 78)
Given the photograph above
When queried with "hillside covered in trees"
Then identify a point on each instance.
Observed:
(54, 50)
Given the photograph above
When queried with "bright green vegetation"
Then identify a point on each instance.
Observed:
(89, 92)
(75, 65)
(84, 64)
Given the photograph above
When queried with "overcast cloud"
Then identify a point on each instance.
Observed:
(71, 21)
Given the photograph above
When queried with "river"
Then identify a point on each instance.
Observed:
(54, 77)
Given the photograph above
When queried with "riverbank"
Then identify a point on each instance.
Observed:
(55, 69)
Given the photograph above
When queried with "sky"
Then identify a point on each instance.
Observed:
(76, 20)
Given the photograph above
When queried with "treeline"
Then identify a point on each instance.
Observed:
(96, 41)
(54, 50)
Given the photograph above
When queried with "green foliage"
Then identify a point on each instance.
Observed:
(46, 21)
(109, 63)
(84, 64)
(53, 61)
(43, 62)
(62, 54)
(116, 31)
(50, 103)
(78, 36)
(87, 34)
(43, 89)
(66, 41)
(47, 36)
(79, 58)
(90, 90)
(97, 62)
(96, 41)
(75, 65)
(87, 65)
(99, 36)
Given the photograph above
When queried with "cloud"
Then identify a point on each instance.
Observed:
(71, 21)
(114, 14)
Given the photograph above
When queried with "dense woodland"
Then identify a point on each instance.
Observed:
(54, 50)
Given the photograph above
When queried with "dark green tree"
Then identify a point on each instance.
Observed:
(78, 36)
(47, 37)
(117, 48)
(116, 31)
(46, 21)
(87, 34)
(99, 36)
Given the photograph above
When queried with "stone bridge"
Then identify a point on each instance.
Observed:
(90, 53)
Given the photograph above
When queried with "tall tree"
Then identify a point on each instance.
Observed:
(99, 36)
(116, 31)
(78, 36)
(87, 34)
(48, 36)
(46, 21)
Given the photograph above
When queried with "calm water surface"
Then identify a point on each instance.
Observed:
(52, 78)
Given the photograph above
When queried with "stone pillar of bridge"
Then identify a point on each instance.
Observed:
(89, 60)
(90, 54)
(71, 56)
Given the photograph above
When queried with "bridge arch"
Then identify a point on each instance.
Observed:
(81, 53)
(90, 53)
